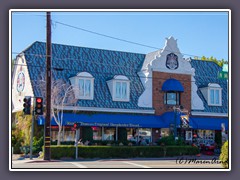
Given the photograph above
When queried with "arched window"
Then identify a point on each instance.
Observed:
(213, 94)
(83, 85)
(119, 87)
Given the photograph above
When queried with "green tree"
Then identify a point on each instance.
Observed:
(224, 155)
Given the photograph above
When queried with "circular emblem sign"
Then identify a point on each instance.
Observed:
(20, 81)
(172, 61)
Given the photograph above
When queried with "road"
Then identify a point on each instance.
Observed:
(157, 163)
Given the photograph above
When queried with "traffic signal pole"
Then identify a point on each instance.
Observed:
(32, 130)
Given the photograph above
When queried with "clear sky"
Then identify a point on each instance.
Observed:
(198, 33)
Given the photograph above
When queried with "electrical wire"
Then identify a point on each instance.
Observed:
(119, 39)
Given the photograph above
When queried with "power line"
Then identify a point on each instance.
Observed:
(127, 41)
(116, 38)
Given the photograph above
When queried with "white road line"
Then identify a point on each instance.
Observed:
(78, 165)
(136, 165)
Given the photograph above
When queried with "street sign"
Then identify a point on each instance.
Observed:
(225, 68)
(222, 75)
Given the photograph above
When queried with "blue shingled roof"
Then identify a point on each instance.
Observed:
(102, 64)
(207, 72)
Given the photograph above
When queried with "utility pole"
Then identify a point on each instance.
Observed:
(47, 130)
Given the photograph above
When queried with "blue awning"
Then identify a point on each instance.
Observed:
(110, 120)
(172, 85)
(207, 123)
(139, 121)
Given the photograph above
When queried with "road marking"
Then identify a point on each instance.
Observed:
(78, 165)
(136, 165)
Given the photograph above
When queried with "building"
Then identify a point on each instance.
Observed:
(151, 95)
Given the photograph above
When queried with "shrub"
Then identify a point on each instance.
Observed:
(87, 134)
(218, 138)
(170, 141)
(58, 152)
(224, 155)
(37, 145)
(122, 134)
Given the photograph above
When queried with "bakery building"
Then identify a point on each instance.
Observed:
(149, 95)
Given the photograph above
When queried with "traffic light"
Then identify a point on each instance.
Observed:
(27, 105)
(39, 106)
(76, 125)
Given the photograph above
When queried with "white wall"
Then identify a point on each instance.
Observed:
(17, 97)
(156, 61)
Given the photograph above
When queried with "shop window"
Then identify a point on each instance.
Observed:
(206, 137)
(165, 132)
(109, 134)
(146, 134)
(131, 134)
(69, 136)
(188, 135)
(97, 133)
(83, 85)
(172, 98)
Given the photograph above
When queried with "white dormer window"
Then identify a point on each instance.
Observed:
(119, 88)
(213, 94)
(83, 85)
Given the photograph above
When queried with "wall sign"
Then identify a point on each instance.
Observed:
(172, 61)
(20, 81)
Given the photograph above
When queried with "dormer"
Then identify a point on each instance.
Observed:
(119, 88)
(212, 94)
(83, 84)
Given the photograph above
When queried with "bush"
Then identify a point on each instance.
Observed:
(218, 138)
(224, 155)
(170, 141)
(87, 134)
(37, 145)
(58, 152)
(122, 134)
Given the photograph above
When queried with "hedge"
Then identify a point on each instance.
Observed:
(58, 152)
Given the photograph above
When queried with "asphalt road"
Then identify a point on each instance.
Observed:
(148, 163)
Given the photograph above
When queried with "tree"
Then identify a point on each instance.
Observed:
(62, 95)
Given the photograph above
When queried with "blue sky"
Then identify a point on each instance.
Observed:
(198, 33)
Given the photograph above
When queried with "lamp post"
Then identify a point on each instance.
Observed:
(175, 122)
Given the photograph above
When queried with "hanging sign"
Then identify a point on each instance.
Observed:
(184, 121)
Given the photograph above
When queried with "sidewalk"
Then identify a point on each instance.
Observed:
(20, 158)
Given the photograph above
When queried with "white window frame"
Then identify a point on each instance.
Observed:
(112, 87)
(114, 91)
(206, 91)
(90, 97)
(75, 83)
(219, 99)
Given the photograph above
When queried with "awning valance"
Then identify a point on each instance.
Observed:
(207, 123)
(139, 121)
(110, 120)
(172, 85)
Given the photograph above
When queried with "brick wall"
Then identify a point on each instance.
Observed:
(158, 95)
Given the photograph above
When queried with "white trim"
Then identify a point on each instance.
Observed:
(109, 110)
(114, 90)
(209, 114)
(75, 82)
(209, 96)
